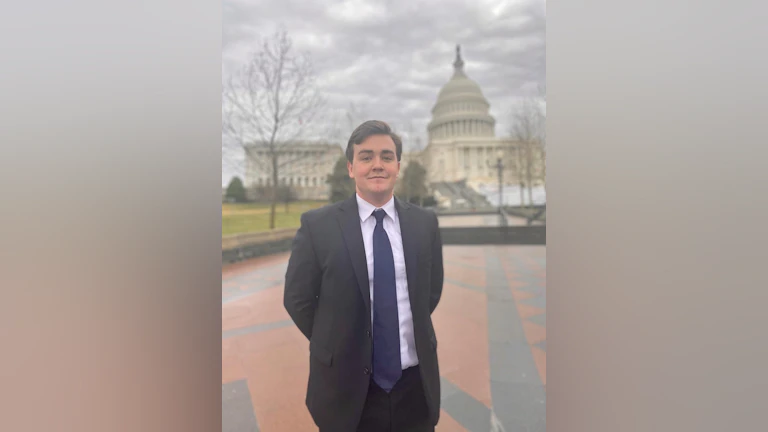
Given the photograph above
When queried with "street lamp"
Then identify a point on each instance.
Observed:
(499, 168)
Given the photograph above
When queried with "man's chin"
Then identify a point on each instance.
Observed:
(379, 186)
(380, 191)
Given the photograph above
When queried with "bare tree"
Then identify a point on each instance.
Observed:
(355, 116)
(542, 128)
(268, 106)
(413, 183)
(543, 147)
(527, 130)
(512, 153)
(344, 121)
(409, 136)
(348, 120)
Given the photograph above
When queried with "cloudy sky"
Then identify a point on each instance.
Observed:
(391, 57)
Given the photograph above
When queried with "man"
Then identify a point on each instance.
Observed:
(362, 282)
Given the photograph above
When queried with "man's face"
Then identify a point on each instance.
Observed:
(375, 167)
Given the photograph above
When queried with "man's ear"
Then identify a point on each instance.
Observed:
(349, 168)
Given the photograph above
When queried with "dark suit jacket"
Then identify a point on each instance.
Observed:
(327, 295)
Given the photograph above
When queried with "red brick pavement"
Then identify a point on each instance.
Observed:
(274, 361)
(257, 308)
(462, 327)
(534, 333)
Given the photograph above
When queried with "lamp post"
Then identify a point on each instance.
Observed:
(499, 169)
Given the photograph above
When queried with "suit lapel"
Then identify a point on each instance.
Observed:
(349, 221)
(409, 233)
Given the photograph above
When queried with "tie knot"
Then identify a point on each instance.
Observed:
(379, 215)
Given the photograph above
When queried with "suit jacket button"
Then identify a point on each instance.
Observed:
(366, 371)
(368, 333)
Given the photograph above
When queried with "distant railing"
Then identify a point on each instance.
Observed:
(502, 217)
(517, 235)
(239, 240)
(244, 246)
(250, 245)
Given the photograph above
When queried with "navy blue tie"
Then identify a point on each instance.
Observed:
(386, 327)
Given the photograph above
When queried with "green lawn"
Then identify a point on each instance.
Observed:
(254, 217)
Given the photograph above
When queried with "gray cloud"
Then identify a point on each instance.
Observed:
(392, 57)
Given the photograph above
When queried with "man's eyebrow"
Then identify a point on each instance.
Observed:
(365, 151)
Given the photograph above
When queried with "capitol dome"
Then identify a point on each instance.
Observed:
(461, 110)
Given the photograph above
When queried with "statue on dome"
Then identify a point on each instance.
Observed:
(459, 63)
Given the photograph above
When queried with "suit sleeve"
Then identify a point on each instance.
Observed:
(436, 289)
(302, 280)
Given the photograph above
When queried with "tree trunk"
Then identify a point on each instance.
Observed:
(530, 194)
(520, 176)
(273, 198)
(544, 172)
(529, 172)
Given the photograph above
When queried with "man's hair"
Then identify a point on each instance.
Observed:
(368, 129)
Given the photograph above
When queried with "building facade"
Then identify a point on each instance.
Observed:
(303, 167)
(463, 145)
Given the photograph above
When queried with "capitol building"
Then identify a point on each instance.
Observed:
(463, 147)
(461, 135)
(462, 150)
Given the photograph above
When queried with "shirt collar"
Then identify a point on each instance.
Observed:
(366, 209)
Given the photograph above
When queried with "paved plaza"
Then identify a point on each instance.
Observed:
(490, 326)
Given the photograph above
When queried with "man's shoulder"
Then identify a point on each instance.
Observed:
(424, 218)
(320, 213)
(428, 212)
(421, 212)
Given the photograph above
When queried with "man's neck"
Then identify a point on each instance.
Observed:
(375, 201)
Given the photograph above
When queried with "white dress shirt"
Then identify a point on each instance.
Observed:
(391, 223)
